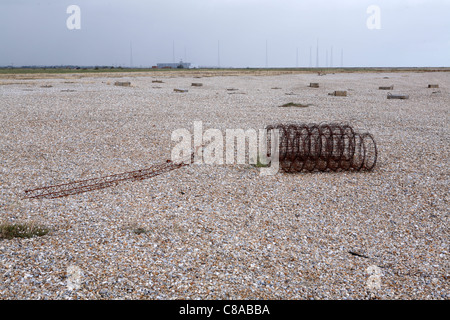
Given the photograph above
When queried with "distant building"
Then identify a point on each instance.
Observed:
(175, 65)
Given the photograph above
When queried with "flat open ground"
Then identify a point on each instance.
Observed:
(223, 231)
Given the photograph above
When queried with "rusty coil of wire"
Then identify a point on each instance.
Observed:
(323, 147)
(302, 147)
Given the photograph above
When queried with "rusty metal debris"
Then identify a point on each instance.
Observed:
(323, 147)
(298, 105)
(302, 147)
(65, 189)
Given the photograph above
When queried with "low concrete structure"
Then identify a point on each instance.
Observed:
(397, 96)
(174, 65)
(338, 93)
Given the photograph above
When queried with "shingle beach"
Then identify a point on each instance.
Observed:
(223, 231)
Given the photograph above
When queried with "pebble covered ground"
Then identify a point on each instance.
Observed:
(223, 231)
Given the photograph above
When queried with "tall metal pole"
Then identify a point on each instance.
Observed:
(267, 59)
(317, 54)
(218, 53)
(331, 57)
(310, 57)
(131, 54)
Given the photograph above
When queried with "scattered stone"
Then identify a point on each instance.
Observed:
(122, 83)
(298, 105)
(397, 96)
(338, 93)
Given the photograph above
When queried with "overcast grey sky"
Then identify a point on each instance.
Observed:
(232, 33)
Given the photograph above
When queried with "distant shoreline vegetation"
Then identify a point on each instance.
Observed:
(109, 69)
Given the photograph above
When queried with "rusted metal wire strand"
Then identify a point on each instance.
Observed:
(302, 147)
(75, 187)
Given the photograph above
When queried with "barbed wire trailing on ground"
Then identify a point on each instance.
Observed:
(302, 148)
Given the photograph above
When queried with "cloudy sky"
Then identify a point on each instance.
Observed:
(229, 33)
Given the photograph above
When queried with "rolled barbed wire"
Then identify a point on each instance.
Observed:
(302, 147)
(322, 147)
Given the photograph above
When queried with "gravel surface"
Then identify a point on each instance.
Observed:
(223, 231)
